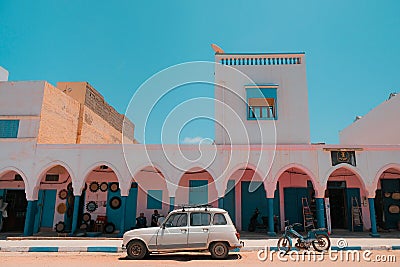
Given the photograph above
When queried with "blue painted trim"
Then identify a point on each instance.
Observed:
(43, 249)
(75, 216)
(271, 230)
(102, 249)
(29, 219)
(221, 202)
(154, 199)
(346, 248)
(320, 209)
(122, 223)
(262, 84)
(280, 53)
(374, 230)
(396, 247)
(171, 203)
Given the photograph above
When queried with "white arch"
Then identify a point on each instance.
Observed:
(347, 167)
(248, 166)
(314, 180)
(92, 167)
(378, 175)
(43, 170)
(24, 178)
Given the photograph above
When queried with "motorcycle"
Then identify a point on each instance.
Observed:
(318, 238)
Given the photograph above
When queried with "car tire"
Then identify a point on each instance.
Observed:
(219, 250)
(136, 250)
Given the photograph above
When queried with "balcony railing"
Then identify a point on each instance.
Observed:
(260, 59)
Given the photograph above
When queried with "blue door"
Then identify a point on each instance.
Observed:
(131, 204)
(253, 196)
(229, 200)
(113, 215)
(292, 203)
(198, 192)
(350, 194)
(45, 209)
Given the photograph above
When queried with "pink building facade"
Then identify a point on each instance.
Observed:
(274, 168)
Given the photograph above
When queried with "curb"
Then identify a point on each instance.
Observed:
(110, 249)
(62, 249)
(272, 248)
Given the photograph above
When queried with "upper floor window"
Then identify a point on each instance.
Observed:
(261, 102)
(9, 128)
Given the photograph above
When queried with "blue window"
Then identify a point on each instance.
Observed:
(154, 199)
(262, 102)
(9, 128)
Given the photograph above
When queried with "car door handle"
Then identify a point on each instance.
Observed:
(183, 230)
(205, 229)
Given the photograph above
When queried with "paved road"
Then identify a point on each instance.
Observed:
(20, 259)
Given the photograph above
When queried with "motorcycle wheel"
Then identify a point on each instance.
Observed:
(284, 244)
(322, 243)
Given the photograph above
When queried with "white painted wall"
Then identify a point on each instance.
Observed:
(292, 125)
(22, 101)
(380, 126)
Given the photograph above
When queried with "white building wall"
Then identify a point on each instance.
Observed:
(292, 125)
(22, 101)
(380, 126)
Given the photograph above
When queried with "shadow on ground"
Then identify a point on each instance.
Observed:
(184, 257)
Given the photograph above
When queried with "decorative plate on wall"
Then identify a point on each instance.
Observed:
(63, 194)
(91, 206)
(396, 196)
(115, 203)
(103, 187)
(394, 209)
(94, 186)
(61, 208)
(109, 228)
(114, 187)
(86, 217)
(387, 194)
(60, 226)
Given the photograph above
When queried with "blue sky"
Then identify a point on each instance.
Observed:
(352, 48)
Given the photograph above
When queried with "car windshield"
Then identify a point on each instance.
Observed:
(176, 220)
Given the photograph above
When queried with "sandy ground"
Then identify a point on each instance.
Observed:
(19, 259)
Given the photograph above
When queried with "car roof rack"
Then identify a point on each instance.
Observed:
(188, 206)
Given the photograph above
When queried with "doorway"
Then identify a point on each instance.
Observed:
(338, 210)
(16, 210)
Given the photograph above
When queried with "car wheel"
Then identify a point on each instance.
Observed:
(136, 250)
(219, 250)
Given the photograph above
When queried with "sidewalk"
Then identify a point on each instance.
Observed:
(74, 244)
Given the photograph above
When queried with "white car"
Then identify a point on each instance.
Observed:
(185, 229)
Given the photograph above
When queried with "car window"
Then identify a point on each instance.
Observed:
(176, 220)
(200, 219)
(219, 219)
